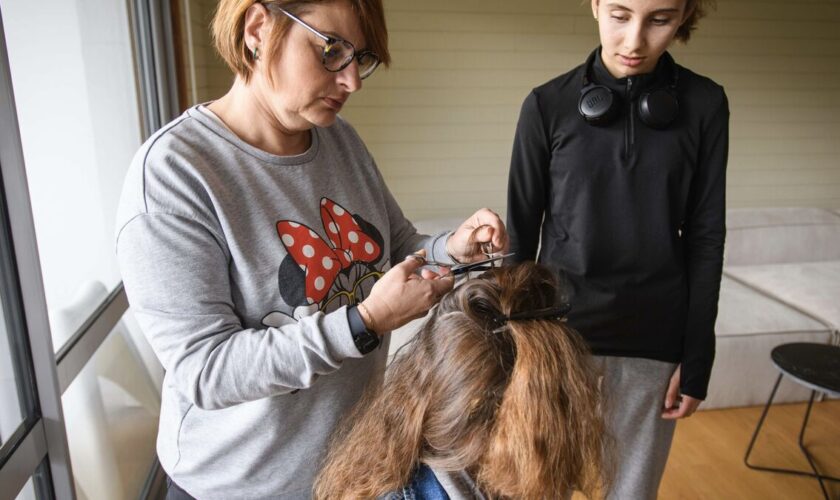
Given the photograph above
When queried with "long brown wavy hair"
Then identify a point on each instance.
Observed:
(516, 403)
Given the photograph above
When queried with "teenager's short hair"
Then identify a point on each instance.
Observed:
(229, 24)
(487, 386)
(699, 9)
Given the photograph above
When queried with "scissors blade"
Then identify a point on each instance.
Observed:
(479, 265)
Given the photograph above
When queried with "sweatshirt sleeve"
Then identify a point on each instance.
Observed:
(527, 181)
(175, 271)
(705, 233)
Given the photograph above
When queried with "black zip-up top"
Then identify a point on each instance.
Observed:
(634, 216)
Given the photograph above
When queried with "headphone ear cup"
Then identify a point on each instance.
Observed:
(598, 104)
(658, 108)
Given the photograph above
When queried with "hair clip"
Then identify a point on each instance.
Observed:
(558, 313)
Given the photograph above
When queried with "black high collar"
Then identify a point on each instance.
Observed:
(661, 76)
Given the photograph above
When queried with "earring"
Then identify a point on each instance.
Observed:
(256, 53)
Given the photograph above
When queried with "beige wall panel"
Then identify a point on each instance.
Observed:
(770, 113)
(754, 164)
(445, 168)
(440, 121)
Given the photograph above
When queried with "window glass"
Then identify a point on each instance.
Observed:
(111, 414)
(37, 487)
(75, 89)
(11, 415)
(28, 491)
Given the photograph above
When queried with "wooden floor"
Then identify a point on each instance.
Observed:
(706, 459)
(707, 456)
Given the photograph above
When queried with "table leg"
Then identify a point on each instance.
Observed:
(815, 474)
(760, 423)
(805, 450)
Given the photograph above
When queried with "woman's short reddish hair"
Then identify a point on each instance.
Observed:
(229, 24)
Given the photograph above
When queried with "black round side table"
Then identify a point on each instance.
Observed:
(815, 366)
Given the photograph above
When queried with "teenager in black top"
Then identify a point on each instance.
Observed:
(618, 178)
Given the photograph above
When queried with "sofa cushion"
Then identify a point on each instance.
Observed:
(743, 311)
(749, 325)
(811, 287)
(779, 216)
(781, 235)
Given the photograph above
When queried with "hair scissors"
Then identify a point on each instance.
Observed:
(459, 269)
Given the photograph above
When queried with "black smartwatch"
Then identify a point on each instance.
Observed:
(364, 339)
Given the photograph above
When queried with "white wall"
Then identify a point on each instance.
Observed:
(75, 90)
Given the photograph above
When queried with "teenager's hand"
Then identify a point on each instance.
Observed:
(676, 405)
(484, 232)
(401, 295)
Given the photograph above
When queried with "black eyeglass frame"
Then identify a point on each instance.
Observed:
(332, 40)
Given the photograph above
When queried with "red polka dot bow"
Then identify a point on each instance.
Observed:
(321, 262)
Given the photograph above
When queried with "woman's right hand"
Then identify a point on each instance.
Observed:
(402, 295)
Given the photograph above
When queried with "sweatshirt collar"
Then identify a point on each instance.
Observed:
(220, 129)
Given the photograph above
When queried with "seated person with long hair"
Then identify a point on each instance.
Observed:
(494, 398)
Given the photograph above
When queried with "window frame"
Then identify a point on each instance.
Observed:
(38, 448)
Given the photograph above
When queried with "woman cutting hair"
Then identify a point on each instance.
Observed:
(495, 397)
(618, 176)
(264, 257)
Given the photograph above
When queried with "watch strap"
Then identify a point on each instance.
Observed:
(365, 340)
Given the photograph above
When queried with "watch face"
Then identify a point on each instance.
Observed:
(366, 342)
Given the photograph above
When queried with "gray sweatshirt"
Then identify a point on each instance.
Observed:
(239, 265)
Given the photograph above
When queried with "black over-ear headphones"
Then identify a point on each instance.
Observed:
(599, 105)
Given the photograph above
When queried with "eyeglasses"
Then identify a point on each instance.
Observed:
(338, 53)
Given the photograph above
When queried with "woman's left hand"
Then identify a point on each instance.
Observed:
(481, 234)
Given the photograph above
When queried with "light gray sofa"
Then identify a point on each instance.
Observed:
(781, 283)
